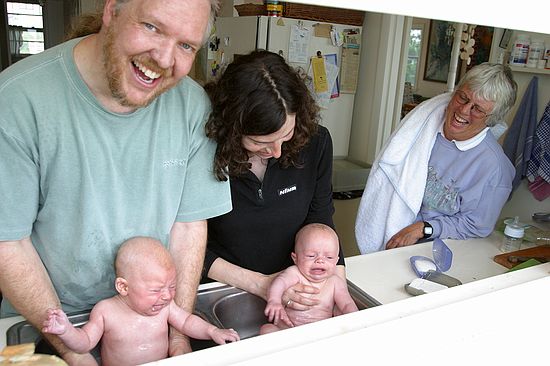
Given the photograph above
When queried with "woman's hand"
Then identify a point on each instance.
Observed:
(407, 236)
(298, 297)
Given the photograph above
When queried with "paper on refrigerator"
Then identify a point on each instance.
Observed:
(298, 44)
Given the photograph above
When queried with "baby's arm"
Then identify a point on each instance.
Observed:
(342, 297)
(274, 309)
(194, 327)
(80, 340)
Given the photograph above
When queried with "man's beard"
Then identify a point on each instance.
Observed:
(114, 69)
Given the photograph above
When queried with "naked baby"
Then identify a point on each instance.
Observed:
(133, 325)
(315, 256)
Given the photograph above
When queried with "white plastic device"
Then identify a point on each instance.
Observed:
(422, 286)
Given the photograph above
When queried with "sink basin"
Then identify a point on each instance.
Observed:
(242, 312)
(23, 332)
(224, 306)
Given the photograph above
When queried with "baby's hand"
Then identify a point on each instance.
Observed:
(56, 323)
(276, 312)
(222, 336)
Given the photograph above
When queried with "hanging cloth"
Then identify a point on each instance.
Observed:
(538, 170)
(518, 143)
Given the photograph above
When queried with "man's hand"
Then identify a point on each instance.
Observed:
(407, 236)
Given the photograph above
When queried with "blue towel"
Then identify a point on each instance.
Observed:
(518, 143)
(539, 165)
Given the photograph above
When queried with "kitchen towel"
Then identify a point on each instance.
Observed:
(518, 143)
(395, 186)
(538, 169)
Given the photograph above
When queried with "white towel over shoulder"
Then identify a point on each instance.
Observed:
(395, 187)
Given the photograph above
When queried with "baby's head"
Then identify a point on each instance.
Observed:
(316, 251)
(146, 275)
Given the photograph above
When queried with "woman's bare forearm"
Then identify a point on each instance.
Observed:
(250, 281)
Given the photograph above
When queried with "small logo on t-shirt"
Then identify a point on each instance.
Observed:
(287, 190)
(173, 163)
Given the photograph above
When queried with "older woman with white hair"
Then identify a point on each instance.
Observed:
(442, 173)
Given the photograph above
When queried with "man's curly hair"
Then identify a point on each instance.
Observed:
(253, 97)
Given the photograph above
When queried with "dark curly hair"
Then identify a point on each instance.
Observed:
(253, 97)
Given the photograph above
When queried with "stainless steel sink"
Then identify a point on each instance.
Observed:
(223, 306)
(23, 332)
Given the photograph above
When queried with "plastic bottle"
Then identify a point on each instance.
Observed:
(520, 51)
(536, 51)
(513, 236)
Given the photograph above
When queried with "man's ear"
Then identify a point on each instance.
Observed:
(121, 285)
(109, 11)
(294, 257)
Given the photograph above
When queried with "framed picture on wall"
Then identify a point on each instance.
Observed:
(438, 56)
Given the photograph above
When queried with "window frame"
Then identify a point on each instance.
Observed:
(421, 28)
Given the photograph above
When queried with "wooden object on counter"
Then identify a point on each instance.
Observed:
(23, 355)
(512, 259)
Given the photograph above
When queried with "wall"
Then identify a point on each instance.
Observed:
(54, 23)
(379, 91)
(90, 6)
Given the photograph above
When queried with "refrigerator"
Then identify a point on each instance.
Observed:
(240, 35)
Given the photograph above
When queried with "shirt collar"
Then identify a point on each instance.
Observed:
(467, 144)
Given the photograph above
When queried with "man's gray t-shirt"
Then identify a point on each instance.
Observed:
(80, 180)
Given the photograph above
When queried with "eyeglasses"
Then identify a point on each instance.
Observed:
(475, 110)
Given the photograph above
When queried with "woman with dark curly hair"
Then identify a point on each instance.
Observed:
(279, 162)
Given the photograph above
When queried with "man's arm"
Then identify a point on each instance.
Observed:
(27, 286)
(187, 246)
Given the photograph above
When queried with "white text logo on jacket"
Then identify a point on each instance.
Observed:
(287, 190)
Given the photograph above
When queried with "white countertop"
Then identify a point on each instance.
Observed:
(383, 274)
(356, 334)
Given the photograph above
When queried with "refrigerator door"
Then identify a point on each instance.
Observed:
(337, 118)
